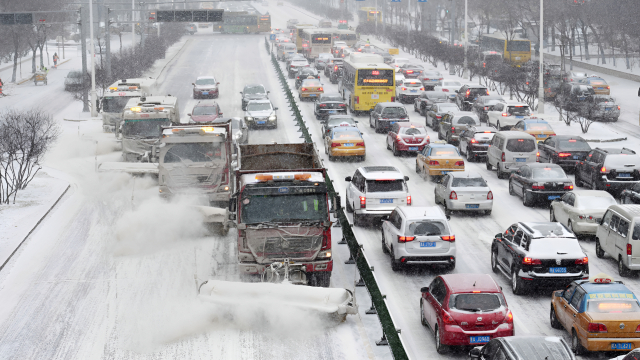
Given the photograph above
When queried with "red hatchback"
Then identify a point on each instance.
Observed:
(205, 111)
(407, 137)
(465, 309)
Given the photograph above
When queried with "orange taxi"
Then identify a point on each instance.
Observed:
(600, 314)
(439, 158)
(539, 129)
(310, 89)
(345, 141)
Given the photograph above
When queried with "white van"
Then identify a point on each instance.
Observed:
(509, 150)
(619, 235)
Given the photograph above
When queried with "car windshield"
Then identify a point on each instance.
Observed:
(476, 302)
(114, 104)
(574, 144)
(466, 120)
(206, 82)
(280, 208)
(261, 106)
(250, 90)
(611, 306)
(444, 152)
(621, 161)
(427, 228)
(468, 182)
(195, 152)
(521, 145)
(539, 127)
(311, 83)
(146, 129)
(385, 185)
(394, 112)
(548, 173)
(347, 135)
(204, 110)
(595, 202)
(447, 107)
(604, 99)
(235, 124)
(518, 110)
(412, 131)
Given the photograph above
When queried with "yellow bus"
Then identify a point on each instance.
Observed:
(515, 51)
(298, 34)
(367, 81)
(369, 15)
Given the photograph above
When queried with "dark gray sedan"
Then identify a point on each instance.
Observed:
(538, 182)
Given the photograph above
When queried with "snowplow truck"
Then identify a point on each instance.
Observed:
(112, 104)
(281, 208)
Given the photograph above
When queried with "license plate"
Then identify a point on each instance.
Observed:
(600, 88)
(624, 175)
(479, 339)
(581, 98)
(414, 91)
(261, 122)
(521, 159)
(386, 201)
(313, 95)
(205, 93)
(519, 117)
(348, 144)
(444, 172)
(332, 111)
(472, 206)
(558, 270)
(413, 148)
(551, 197)
(393, 122)
(576, 158)
(541, 135)
(621, 346)
(427, 244)
(375, 96)
(608, 108)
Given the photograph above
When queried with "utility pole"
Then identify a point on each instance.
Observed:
(93, 62)
(541, 63)
(133, 24)
(107, 39)
(83, 42)
(465, 74)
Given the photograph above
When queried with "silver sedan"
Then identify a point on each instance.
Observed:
(463, 191)
(581, 211)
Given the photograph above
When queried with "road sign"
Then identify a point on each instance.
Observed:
(423, 1)
(189, 15)
(272, 36)
(395, 0)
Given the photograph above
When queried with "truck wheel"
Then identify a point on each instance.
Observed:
(321, 279)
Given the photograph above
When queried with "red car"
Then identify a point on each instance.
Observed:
(465, 309)
(407, 137)
(205, 111)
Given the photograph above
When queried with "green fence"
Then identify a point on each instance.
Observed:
(391, 334)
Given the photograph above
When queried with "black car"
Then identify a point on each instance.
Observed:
(484, 103)
(411, 71)
(631, 195)
(468, 94)
(564, 150)
(428, 98)
(385, 114)
(474, 142)
(329, 104)
(539, 182)
(523, 348)
(538, 253)
(573, 96)
(337, 120)
(609, 169)
(332, 66)
(306, 73)
(253, 92)
(436, 112)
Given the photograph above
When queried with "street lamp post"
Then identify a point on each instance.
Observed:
(93, 62)
(133, 24)
(465, 74)
(541, 63)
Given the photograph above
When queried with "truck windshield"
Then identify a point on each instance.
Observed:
(194, 152)
(114, 104)
(284, 208)
(147, 129)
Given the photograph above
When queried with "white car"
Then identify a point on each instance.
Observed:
(397, 62)
(399, 79)
(451, 87)
(464, 191)
(505, 115)
(417, 236)
(409, 90)
(581, 211)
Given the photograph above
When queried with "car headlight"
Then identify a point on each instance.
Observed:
(272, 118)
(248, 118)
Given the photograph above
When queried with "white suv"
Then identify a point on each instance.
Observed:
(506, 115)
(418, 235)
(374, 191)
(409, 90)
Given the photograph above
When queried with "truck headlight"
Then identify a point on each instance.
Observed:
(272, 118)
(248, 118)
(324, 254)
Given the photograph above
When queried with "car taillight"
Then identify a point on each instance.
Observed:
(447, 319)
(433, 162)
(629, 249)
(449, 238)
(320, 89)
(564, 154)
(404, 88)
(487, 92)
(530, 261)
(445, 90)
(342, 105)
(422, 89)
(608, 87)
(638, 328)
(326, 239)
(537, 186)
(509, 317)
(404, 239)
(618, 107)
(408, 199)
(597, 328)
(503, 157)
(583, 261)
(490, 196)
(322, 105)
(393, 98)
(439, 116)
(335, 68)
(538, 157)
(357, 99)
(603, 170)
(473, 141)
(459, 163)
(505, 114)
(303, 89)
(360, 143)
(468, 92)
(486, 108)
(453, 195)
(453, 128)
(363, 202)
(568, 186)
(335, 144)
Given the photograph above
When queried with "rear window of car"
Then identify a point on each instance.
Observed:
(604, 99)
(621, 161)
(412, 131)
(331, 98)
(451, 83)
(447, 107)
(385, 185)
(596, 202)
(413, 84)
(476, 302)
(427, 228)
(346, 135)
(394, 111)
(434, 74)
(539, 127)
(521, 145)
(475, 92)
(597, 82)
(484, 136)
(548, 173)
(465, 120)
(313, 83)
(437, 95)
(574, 144)
(518, 110)
(444, 152)
(613, 306)
(468, 182)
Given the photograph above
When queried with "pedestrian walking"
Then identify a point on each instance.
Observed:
(55, 59)
(1, 93)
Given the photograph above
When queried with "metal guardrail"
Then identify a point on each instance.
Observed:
(391, 334)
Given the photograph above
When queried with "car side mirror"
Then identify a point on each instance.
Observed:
(233, 204)
(347, 179)
(475, 353)
(498, 236)
(217, 83)
(557, 199)
(220, 113)
(406, 178)
(189, 114)
(448, 217)
(424, 289)
(194, 84)
(268, 92)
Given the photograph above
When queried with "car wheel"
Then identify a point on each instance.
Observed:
(553, 319)
(395, 150)
(570, 226)
(498, 125)
(487, 212)
(494, 261)
(440, 348)
(422, 319)
(576, 347)
(440, 136)
(511, 192)
(499, 172)
(525, 199)
(395, 264)
(356, 220)
(622, 270)
(516, 283)
(594, 185)
(488, 164)
(552, 215)
(599, 250)
(446, 208)
(371, 121)
(579, 182)
(375, 125)
(417, 168)
(384, 245)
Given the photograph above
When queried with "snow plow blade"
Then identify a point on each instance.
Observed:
(213, 214)
(129, 168)
(335, 303)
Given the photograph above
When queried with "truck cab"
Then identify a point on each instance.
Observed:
(116, 97)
